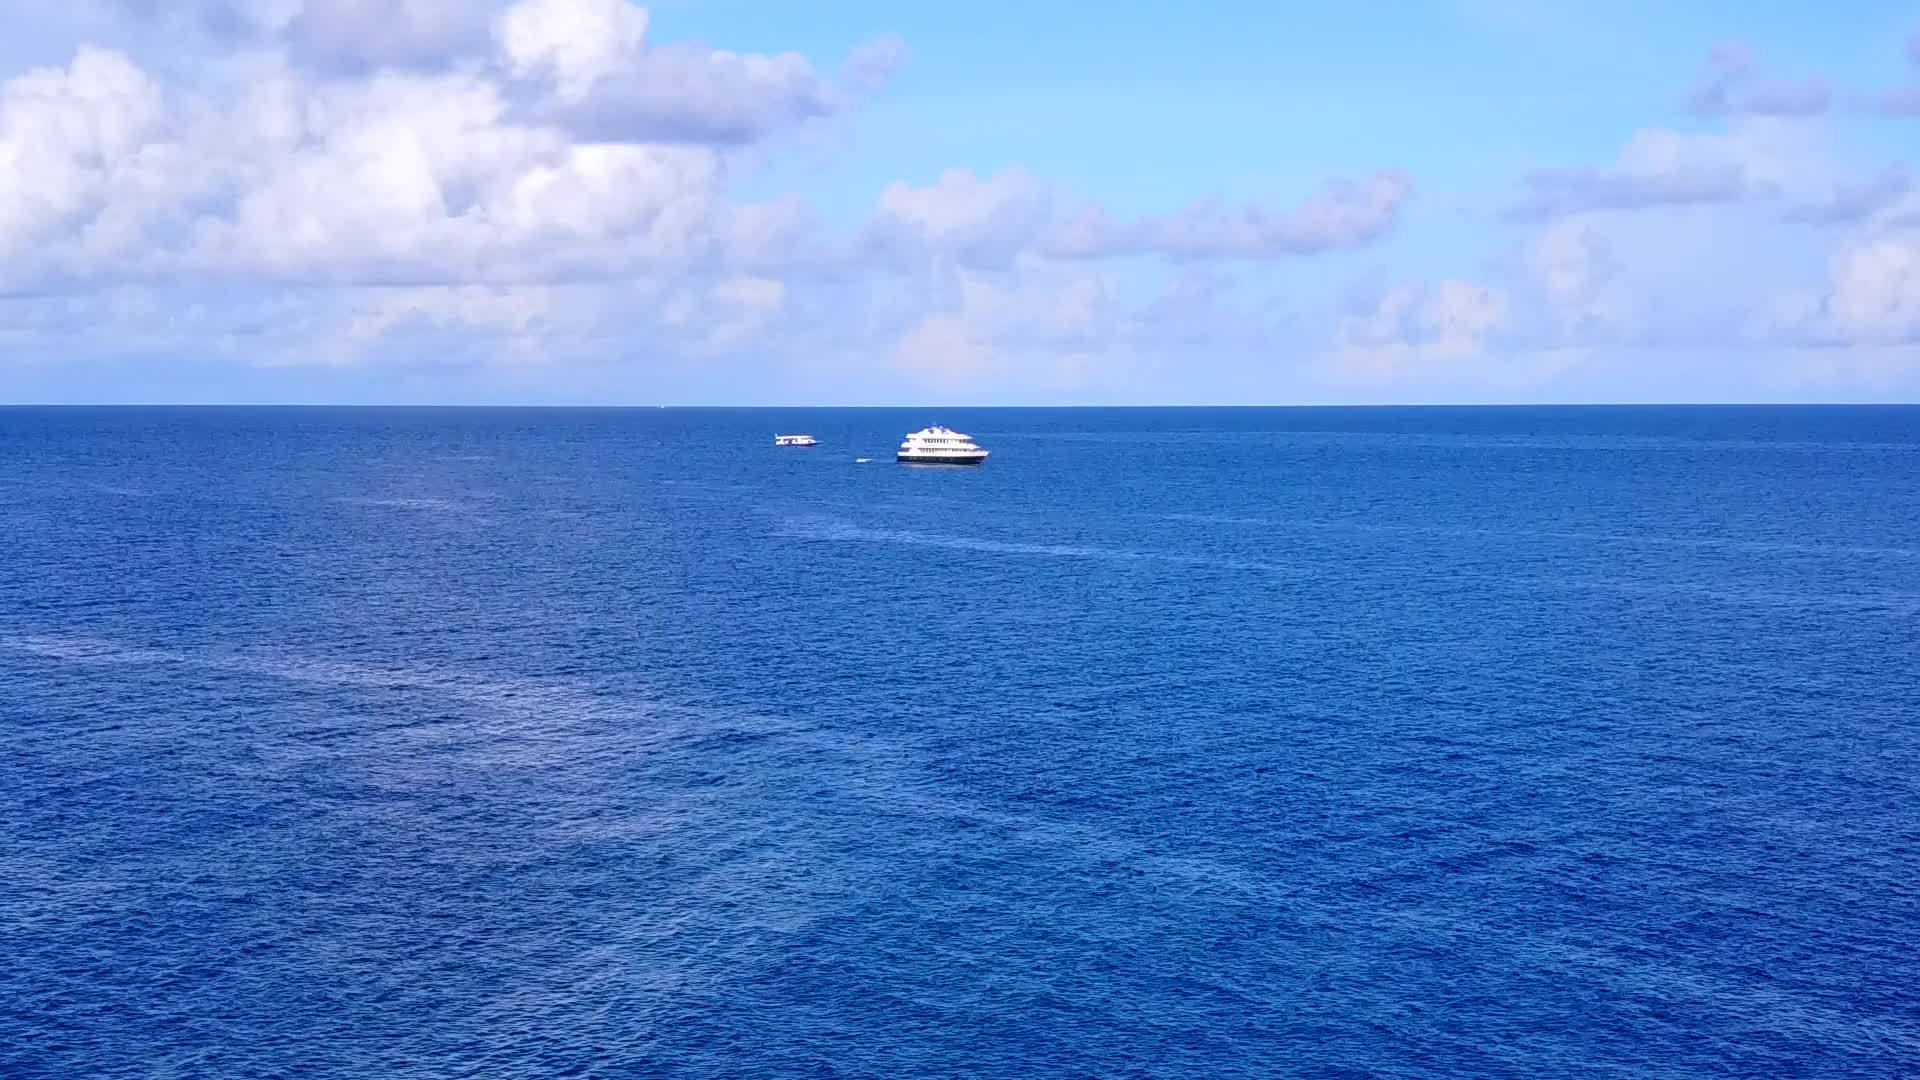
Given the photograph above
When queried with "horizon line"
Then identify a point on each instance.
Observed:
(1186, 405)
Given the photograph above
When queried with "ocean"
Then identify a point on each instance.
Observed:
(1214, 743)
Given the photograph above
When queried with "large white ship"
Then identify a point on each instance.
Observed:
(940, 446)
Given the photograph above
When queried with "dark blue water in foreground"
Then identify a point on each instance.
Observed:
(1171, 743)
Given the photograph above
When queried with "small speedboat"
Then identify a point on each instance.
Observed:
(795, 440)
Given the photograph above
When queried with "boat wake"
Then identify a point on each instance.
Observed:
(829, 528)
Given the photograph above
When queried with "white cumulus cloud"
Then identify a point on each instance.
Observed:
(79, 148)
(575, 43)
(1871, 297)
(987, 220)
(1417, 326)
(1660, 167)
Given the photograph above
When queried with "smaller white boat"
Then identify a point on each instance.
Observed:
(795, 440)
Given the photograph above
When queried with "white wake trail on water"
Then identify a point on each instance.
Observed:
(826, 528)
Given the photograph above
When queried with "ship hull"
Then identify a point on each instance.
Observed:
(933, 459)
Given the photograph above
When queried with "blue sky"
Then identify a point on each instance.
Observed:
(733, 202)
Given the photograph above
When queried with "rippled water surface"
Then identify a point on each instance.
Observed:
(1170, 743)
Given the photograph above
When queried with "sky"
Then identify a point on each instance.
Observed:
(739, 202)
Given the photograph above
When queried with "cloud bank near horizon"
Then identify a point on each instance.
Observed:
(542, 198)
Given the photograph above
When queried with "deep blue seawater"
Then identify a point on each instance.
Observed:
(1171, 743)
